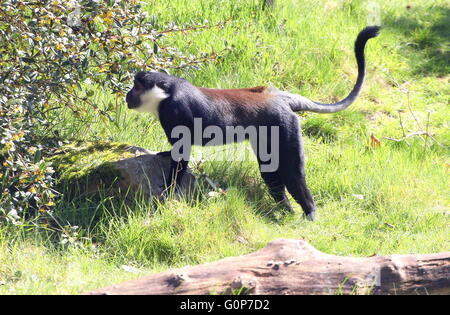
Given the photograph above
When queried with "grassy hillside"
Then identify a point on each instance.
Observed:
(382, 199)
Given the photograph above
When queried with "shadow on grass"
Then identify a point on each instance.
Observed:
(427, 38)
(245, 179)
(84, 208)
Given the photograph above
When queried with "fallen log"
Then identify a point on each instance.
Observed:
(287, 266)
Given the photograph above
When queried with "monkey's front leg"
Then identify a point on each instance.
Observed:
(177, 171)
(179, 159)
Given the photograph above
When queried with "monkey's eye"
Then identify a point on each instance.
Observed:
(163, 85)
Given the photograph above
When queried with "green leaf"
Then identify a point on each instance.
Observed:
(37, 156)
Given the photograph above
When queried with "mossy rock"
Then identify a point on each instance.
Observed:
(90, 167)
(78, 163)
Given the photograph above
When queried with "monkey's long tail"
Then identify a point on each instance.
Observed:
(303, 104)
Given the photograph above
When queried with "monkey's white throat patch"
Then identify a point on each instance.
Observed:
(150, 100)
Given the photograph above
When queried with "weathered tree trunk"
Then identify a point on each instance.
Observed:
(295, 267)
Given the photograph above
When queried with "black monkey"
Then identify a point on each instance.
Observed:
(179, 103)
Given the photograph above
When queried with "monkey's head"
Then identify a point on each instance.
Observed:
(150, 88)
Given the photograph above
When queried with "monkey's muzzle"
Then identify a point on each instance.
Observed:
(130, 102)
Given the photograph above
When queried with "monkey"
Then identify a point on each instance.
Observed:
(177, 102)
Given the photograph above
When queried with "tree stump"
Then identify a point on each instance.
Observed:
(287, 266)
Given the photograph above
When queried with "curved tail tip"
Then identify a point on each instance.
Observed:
(370, 31)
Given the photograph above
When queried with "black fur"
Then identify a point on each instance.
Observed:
(247, 107)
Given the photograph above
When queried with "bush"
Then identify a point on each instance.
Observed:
(54, 53)
(25, 177)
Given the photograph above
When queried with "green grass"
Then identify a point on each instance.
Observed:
(386, 199)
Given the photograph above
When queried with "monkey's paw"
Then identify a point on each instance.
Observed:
(311, 216)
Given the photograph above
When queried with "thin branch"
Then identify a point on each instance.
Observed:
(413, 134)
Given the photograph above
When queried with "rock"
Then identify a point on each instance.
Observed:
(93, 166)
(149, 173)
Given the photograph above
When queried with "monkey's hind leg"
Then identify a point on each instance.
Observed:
(292, 169)
(277, 189)
(294, 179)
